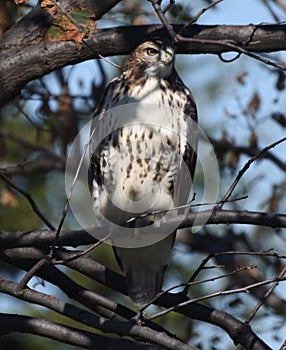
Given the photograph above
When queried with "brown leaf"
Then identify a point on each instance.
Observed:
(49, 7)
(240, 78)
(8, 199)
(69, 26)
(253, 104)
(253, 139)
(233, 161)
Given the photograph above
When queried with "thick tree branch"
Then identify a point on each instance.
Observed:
(37, 58)
(239, 332)
(129, 328)
(43, 238)
(66, 334)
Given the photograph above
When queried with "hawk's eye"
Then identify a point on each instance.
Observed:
(151, 51)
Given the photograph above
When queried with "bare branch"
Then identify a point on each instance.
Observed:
(245, 289)
(192, 283)
(199, 14)
(270, 9)
(245, 168)
(85, 317)
(43, 162)
(267, 294)
(161, 14)
(42, 238)
(29, 198)
(44, 58)
(233, 46)
(66, 334)
(224, 146)
(238, 331)
(11, 136)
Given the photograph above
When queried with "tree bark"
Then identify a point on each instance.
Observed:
(34, 57)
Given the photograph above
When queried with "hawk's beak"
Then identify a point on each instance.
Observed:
(166, 57)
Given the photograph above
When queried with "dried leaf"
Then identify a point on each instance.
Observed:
(275, 199)
(233, 161)
(50, 7)
(253, 104)
(240, 78)
(253, 139)
(8, 199)
(72, 26)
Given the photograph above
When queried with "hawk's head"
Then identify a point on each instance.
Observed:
(153, 58)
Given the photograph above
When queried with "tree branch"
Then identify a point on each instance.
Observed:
(42, 238)
(43, 162)
(30, 199)
(224, 146)
(239, 332)
(66, 334)
(37, 58)
(128, 328)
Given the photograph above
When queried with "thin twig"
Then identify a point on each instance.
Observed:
(198, 15)
(169, 6)
(49, 257)
(281, 4)
(245, 289)
(31, 145)
(83, 253)
(189, 284)
(163, 19)
(110, 62)
(245, 168)
(266, 295)
(234, 252)
(270, 9)
(190, 206)
(225, 146)
(40, 163)
(234, 46)
(29, 198)
(25, 280)
(67, 205)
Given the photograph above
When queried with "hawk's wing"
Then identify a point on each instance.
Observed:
(188, 143)
(108, 100)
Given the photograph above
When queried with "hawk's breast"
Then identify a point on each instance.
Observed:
(141, 158)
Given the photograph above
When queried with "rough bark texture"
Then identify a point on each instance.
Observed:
(31, 55)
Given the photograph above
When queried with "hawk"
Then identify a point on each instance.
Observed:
(143, 157)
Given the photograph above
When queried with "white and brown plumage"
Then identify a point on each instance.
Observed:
(138, 167)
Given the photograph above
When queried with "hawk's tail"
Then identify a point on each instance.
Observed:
(144, 268)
